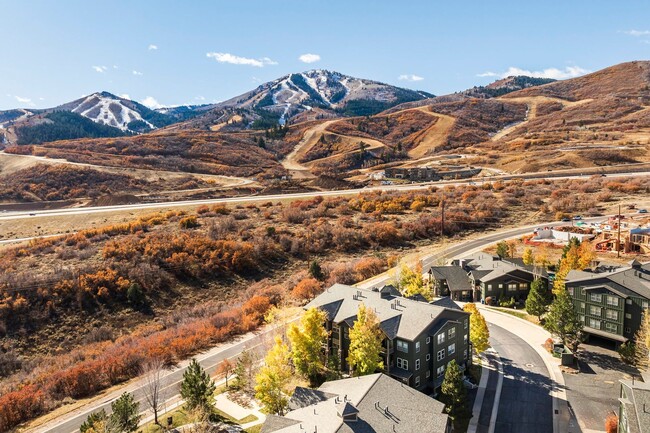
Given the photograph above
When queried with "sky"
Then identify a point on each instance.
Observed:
(164, 52)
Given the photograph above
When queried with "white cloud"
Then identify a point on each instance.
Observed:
(101, 69)
(410, 77)
(637, 33)
(152, 47)
(115, 67)
(555, 73)
(24, 100)
(136, 72)
(237, 60)
(199, 98)
(309, 58)
(151, 102)
(124, 96)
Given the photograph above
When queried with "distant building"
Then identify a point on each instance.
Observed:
(451, 281)
(420, 338)
(367, 404)
(610, 304)
(491, 276)
(634, 407)
(430, 173)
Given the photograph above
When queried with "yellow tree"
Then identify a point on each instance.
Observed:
(307, 344)
(586, 254)
(273, 379)
(479, 334)
(527, 257)
(642, 342)
(541, 258)
(366, 337)
(410, 282)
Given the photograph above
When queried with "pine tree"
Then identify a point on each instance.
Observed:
(93, 420)
(454, 394)
(197, 389)
(316, 271)
(503, 250)
(538, 299)
(245, 371)
(527, 257)
(126, 413)
(366, 337)
(273, 379)
(479, 334)
(562, 320)
(307, 344)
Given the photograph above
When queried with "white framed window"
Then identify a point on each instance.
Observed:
(570, 290)
(428, 340)
(441, 355)
(441, 338)
(428, 374)
(417, 364)
(489, 286)
(417, 347)
(611, 314)
(582, 318)
(402, 346)
(523, 285)
(465, 338)
(582, 305)
(451, 333)
(644, 304)
(596, 297)
(501, 286)
(628, 316)
(440, 370)
(612, 300)
(465, 324)
(428, 357)
(403, 363)
(628, 301)
(611, 327)
(451, 349)
(594, 323)
(417, 380)
(512, 287)
(595, 311)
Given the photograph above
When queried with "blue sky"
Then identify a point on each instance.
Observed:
(199, 51)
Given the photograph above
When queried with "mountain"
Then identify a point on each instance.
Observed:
(327, 93)
(506, 85)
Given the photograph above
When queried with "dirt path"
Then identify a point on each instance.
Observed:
(532, 102)
(10, 163)
(309, 139)
(435, 135)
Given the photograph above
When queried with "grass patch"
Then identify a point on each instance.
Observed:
(247, 419)
(254, 429)
(179, 418)
(517, 313)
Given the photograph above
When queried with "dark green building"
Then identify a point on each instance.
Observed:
(610, 304)
(420, 338)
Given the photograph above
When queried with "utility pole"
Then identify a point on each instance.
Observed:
(442, 219)
(618, 243)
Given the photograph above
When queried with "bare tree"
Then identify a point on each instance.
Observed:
(154, 386)
(226, 369)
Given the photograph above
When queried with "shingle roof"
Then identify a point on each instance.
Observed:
(399, 317)
(636, 280)
(457, 279)
(383, 404)
(446, 302)
(306, 396)
(638, 400)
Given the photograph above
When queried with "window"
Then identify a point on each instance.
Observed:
(465, 324)
(582, 290)
(441, 355)
(596, 297)
(612, 300)
(501, 286)
(594, 323)
(441, 338)
(596, 311)
(440, 371)
(402, 346)
(489, 286)
(428, 340)
(523, 285)
(451, 349)
(465, 354)
(428, 356)
(417, 380)
(428, 374)
(417, 364)
(628, 316)
(611, 314)
(465, 338)
(417, 347)
(628, 301)
(628, 330)
(403, 363)
(451, 333)
(582, 306)
(644, 304)
(512, 287)
(611, 327)
(582, 318)
(570, 291)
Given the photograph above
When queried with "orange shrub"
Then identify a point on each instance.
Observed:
(306, 289)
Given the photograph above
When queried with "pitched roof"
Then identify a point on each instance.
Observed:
(380, 402)
(306, 396)
(636, 280)
(399, 317)
(638, 399)
(456, 277)
(446, 302)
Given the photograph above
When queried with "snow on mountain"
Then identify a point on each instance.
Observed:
(110, 110)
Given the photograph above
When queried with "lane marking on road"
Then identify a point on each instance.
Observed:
(497, 394)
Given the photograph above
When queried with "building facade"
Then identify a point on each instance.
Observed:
(420, 338)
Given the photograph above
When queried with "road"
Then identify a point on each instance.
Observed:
(70, 422)
(292, 196)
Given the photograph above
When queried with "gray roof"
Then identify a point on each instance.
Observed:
(399, 317)
(638, 399)
(446, 302)
(306, 396)
(457, 279)
(636, 280)
(383, 404)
